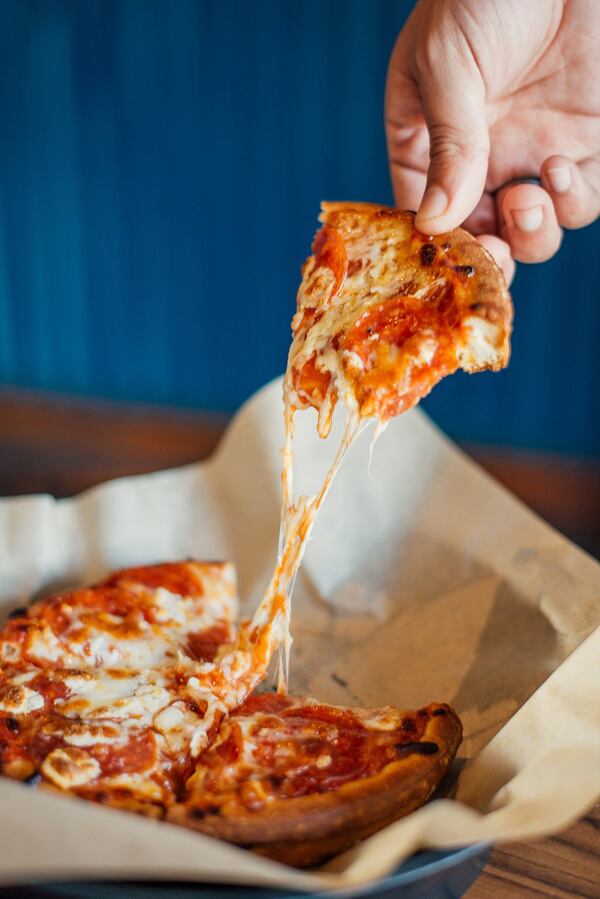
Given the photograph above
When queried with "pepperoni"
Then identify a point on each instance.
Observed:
(329, 251)
(328, 713)
(299, 751)
(231, 748)
(273, 703)
(136, 756)
(172, 576)
(311, 382)
(388, 326)
(203, 646)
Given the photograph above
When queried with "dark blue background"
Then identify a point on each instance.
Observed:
(161, 166)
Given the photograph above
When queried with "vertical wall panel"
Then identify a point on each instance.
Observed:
(161, 165)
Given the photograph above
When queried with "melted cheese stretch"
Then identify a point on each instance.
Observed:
(272, 618)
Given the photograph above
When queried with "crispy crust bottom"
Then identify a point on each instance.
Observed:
(310, 829)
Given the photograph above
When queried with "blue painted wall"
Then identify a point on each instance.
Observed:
(161, 165)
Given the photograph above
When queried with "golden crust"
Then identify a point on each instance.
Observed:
(306, 830)
(458, 255)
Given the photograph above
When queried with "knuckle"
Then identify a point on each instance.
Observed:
(450, 142)
(538, 252)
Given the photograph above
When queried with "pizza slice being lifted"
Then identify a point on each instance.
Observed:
(384, 312)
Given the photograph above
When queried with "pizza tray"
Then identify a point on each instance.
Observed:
(430, 874)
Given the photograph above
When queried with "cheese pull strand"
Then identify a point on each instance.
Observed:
(297, 520)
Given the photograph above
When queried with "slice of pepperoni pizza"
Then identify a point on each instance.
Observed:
(113, 691)
(300, 781)
(384, 312)
(143, 617)
(108, 691)
(114, 735)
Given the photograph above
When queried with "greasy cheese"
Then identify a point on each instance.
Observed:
(19, 700)
(70, 767)
(112, 674)
(154, 628)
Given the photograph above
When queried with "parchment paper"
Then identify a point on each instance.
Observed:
(424, 581)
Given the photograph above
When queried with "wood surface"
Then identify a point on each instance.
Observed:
(62, 445)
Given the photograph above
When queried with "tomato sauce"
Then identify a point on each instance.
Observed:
(95, 605)
(311, 383)
(390, 383)
(273, 703)
(137, 756)
(301, 751)
(329, 252)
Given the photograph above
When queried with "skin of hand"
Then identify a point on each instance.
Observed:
(482, 92)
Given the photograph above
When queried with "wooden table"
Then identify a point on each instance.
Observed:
(63, 445)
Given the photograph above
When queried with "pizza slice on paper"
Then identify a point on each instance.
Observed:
(299, 781)
(102, 689)
(144, 617)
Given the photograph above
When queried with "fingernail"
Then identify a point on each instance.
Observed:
(560, 178)
(528, 219)
(434, 203)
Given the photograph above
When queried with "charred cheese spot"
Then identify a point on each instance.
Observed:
(9, 651)
(428, 254)
(17, 613)
(83, 733)
(19, 700)
(70, 767)
(423, 748)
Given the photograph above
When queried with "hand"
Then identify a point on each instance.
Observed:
(481, 92)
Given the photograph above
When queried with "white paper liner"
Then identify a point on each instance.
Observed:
(425, 581)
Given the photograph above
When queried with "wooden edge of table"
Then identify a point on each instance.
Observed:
(61, 445)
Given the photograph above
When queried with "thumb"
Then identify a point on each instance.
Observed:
(454, 106)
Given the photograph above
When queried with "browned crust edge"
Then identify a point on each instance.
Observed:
(306, 830)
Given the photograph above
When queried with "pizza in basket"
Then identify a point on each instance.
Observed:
(142, 668)
(291, 778)
(140, 692)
